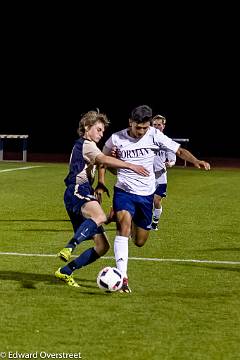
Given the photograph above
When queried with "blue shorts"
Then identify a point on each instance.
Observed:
(74, 199)
(161, 190)
(76, 196)
(139, 206)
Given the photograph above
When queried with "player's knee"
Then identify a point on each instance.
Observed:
(105, 248)
(139, 242)
(100, 219)
(102, 248)
(103, 218)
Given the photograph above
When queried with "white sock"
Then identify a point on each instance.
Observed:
(121, 253)
(157, 213)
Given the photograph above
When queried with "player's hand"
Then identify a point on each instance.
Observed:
(99, 190)
(200, 163)
(170, 163)
(139, 169)
(114, 151)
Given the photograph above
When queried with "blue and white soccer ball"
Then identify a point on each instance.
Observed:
(110, 279)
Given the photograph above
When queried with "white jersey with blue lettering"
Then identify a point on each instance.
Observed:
(139, 152)
(159, 166)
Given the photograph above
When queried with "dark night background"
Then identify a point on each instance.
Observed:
(58, 64)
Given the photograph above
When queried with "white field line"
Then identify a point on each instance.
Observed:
(21, 168)
(136, 258)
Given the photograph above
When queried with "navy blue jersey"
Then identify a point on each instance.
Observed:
(81, 175)
(81, 166)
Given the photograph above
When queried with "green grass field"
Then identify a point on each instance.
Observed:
(178, 310)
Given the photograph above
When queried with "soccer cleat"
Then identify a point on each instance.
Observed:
(154, 226)
(125, 288)
(65, 254)
(68, 279)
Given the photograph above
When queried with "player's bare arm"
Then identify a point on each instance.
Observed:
(116, 163)
(110, 152)
(186, 155)
(101, 188)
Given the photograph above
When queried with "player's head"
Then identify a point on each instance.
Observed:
(159, 122)
(140, 121)
(92, 125)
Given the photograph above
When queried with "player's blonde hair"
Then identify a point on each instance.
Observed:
(159, 117)
(89, 119)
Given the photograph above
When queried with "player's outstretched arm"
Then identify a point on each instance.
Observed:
(186, 155)
(116, 163)
(101, 188)
(110, 152)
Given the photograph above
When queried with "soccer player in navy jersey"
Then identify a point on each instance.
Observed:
(82, 206)
(133, 193)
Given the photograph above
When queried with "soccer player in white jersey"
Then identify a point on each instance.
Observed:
(83, 209)
(162, 160)
(133, 193)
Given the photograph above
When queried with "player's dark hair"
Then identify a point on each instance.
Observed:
(141, 114)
